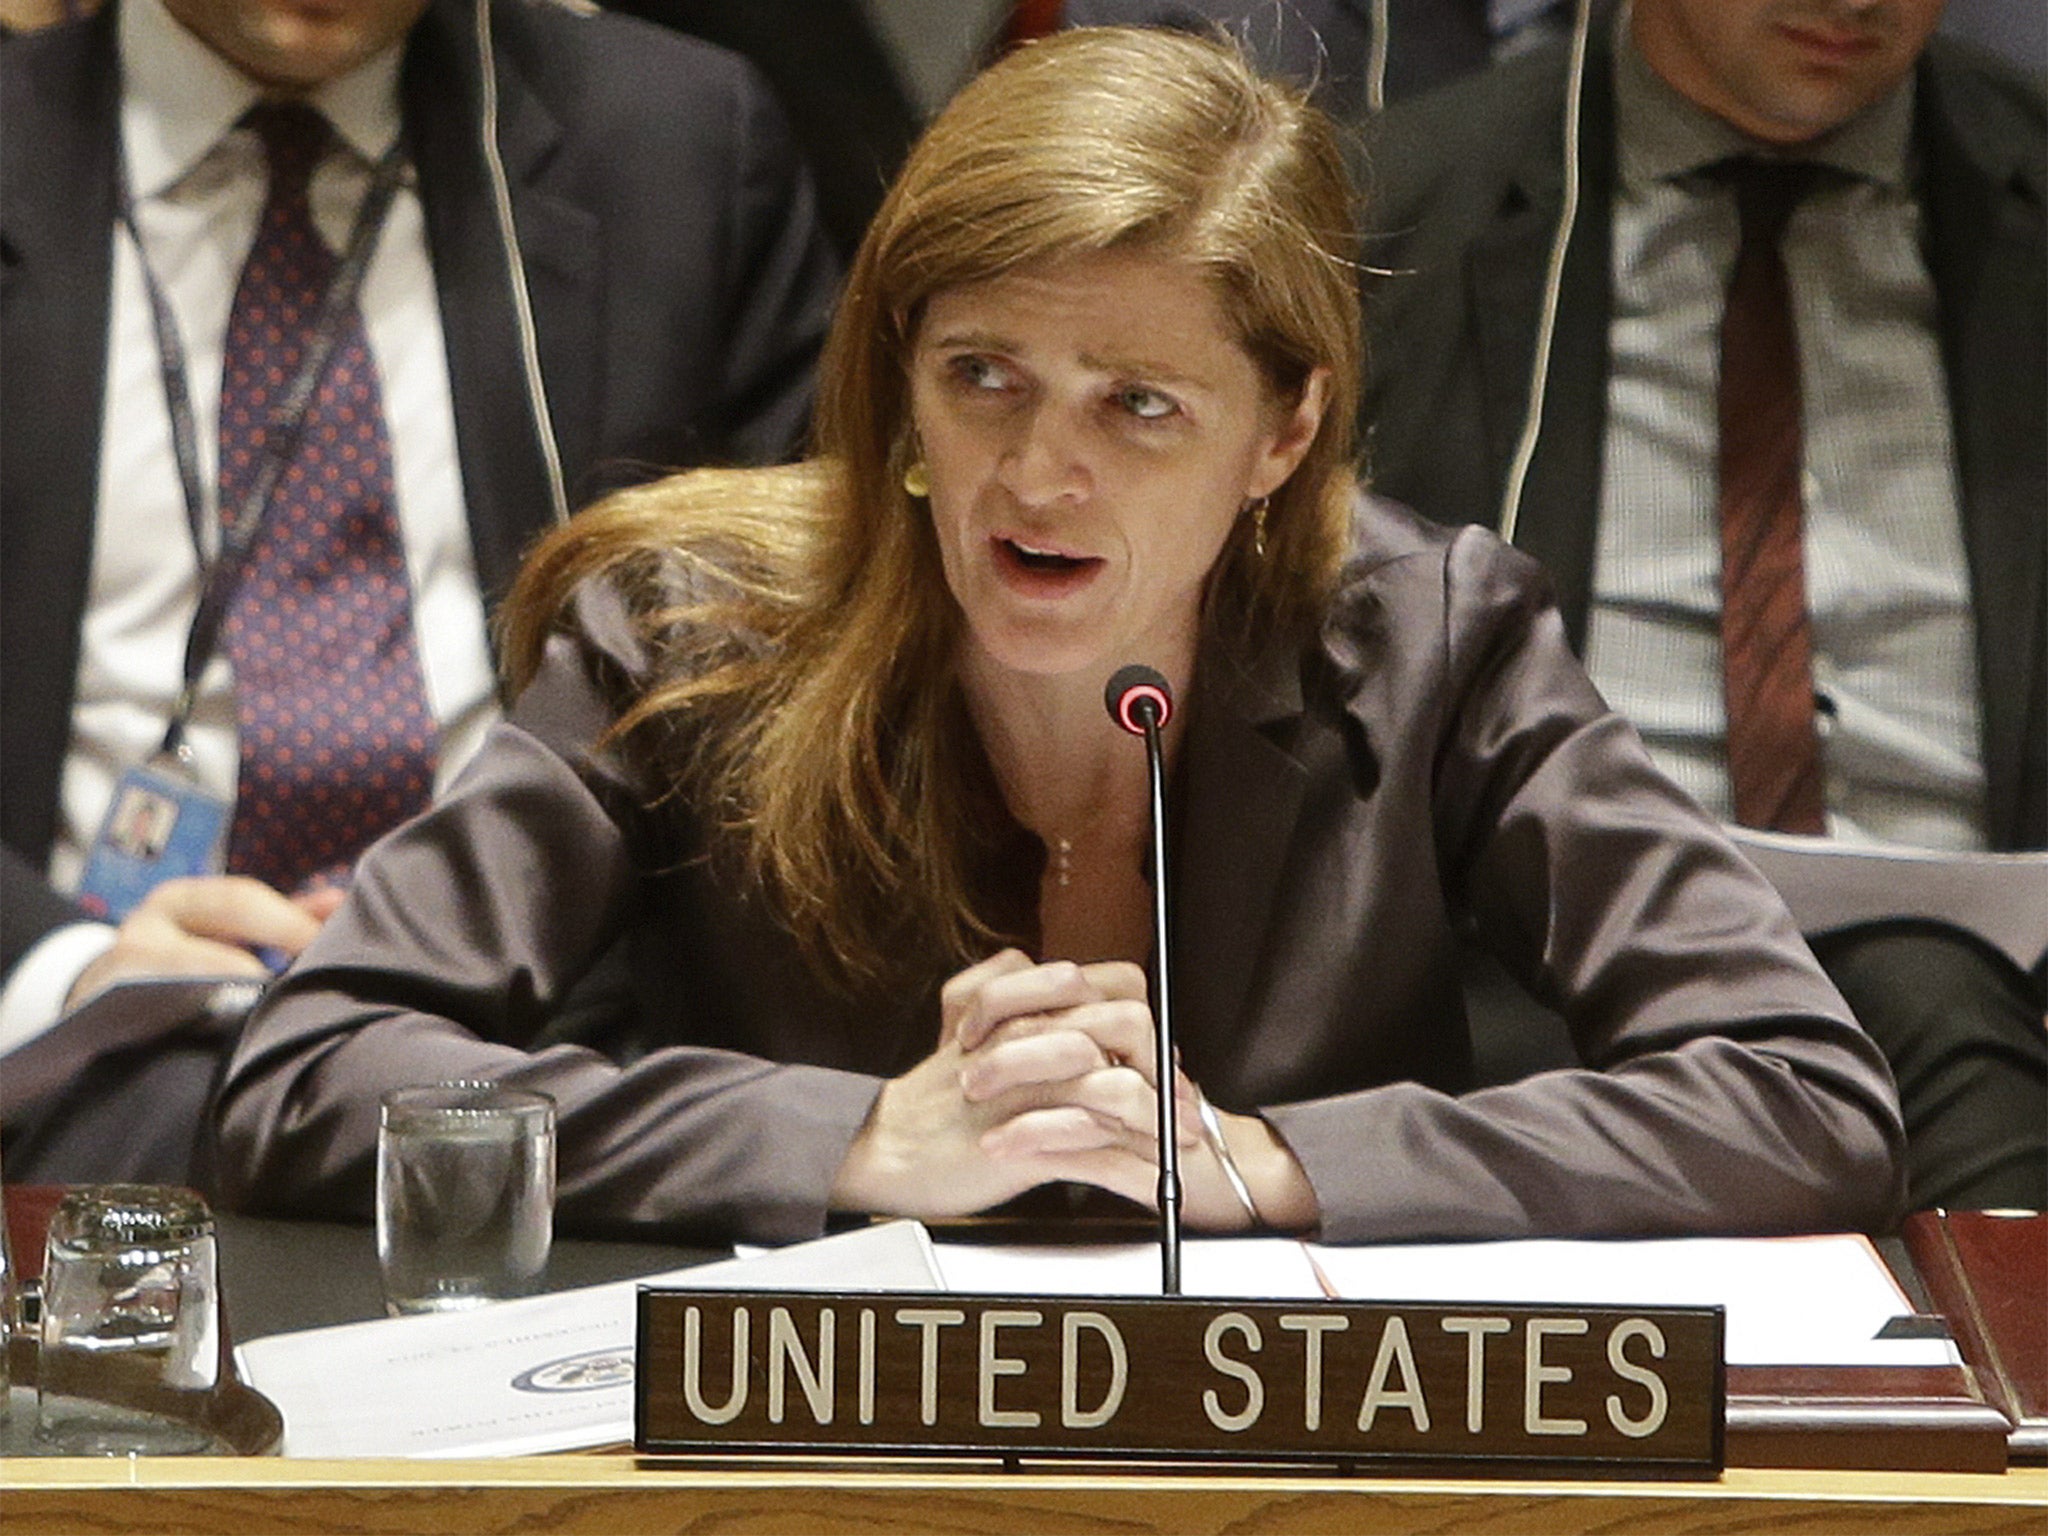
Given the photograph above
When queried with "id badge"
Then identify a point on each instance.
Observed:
(159, 827)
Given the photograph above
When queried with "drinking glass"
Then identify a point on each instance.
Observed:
(131, 1338)
(465, 1194)
(6, 1315)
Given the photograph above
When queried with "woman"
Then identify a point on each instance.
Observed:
(809, 764)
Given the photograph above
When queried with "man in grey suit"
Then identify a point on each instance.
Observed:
(1916, 279)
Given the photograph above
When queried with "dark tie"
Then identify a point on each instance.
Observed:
(1774, 759)
(337, 742)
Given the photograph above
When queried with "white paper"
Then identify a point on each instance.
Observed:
(1830, 884)
(1275, 1267)
(519, 1378)
(1789, 1300)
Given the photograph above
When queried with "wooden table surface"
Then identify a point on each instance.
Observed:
(315, 1274)
(614, 1494)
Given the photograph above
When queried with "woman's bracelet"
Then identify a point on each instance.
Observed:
(1212, 1132)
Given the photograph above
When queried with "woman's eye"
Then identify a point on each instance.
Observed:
(979, 372)
(1145, 404)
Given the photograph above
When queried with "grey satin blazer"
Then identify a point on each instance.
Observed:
(1437, 762)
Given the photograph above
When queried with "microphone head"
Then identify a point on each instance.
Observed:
(1132, 688)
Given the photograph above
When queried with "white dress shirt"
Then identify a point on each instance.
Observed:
(199, 184)
(1887, 580)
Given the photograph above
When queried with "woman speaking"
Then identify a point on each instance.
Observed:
(809, 874)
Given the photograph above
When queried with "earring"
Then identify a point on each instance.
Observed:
(1257, 507)
(917, 479)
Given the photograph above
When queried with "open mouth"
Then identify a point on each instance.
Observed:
(1042, 560)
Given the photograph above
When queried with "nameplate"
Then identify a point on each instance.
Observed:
(1488, 1388)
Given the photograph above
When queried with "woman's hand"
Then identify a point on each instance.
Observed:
(922, 1152)
(1046, 1071)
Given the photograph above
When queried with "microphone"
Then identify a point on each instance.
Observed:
(1141, 701)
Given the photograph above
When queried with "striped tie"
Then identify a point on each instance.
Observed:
(1774, 756)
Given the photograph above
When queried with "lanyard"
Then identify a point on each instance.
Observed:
(223, 574)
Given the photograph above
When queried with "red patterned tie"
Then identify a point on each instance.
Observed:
(1774, 758)
(337, 742)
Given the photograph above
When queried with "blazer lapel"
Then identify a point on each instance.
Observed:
(1984, 240)
(1234, 826)
(503, 472)
(1560, 502)
(1504, 279)
(56, 268)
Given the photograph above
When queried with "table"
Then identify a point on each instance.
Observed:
(612, 1494)
(285, 1274)
(277, 1276)
(281, 1275)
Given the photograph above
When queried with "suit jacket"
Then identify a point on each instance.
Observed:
(1325, 45)
(835, 79)
(1464, 191)
(1436, 761)
(680, 286)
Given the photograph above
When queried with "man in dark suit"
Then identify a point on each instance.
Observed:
(1916, 264)
(1327, 45)
(678, 282)
(833, 76)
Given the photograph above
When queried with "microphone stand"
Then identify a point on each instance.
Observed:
(1139, 700)
(1162, 1016)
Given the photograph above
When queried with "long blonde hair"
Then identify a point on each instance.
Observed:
(806, 690)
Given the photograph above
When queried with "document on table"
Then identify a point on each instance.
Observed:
(1789, 1300)
(542, 1373)
(1272, 1268)
(1830, 884)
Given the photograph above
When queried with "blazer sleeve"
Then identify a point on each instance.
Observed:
(463, 933)
(1726, 1087)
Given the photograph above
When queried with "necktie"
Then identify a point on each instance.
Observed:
(1774, 759)
(337, 742)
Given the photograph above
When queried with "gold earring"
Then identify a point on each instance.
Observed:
(917, 479)
(1257, 507)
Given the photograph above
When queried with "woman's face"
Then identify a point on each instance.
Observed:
(1092, 429)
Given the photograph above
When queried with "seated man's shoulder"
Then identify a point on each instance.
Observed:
(1471, 129)
(1997, 109)
(596, 66)
(55, 52)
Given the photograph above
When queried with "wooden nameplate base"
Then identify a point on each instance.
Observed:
(1988, 1274)
(1482, 1389)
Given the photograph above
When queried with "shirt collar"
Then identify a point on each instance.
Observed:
(180, 99)
(1664, 135)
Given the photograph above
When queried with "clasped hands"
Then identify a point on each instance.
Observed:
(1047, 1071)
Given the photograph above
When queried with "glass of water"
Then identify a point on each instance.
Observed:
(131, 1341)
(6, 1315)
(465, 1194)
